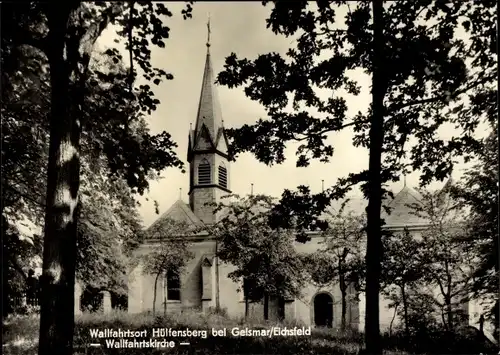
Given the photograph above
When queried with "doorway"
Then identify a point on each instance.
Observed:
(323, 310)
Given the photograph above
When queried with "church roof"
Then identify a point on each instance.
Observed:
(180, 212)
(401, 213)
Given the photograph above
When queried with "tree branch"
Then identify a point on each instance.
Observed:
(394, 108)
(313, 134)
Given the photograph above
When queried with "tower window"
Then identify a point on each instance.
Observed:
(223, 176)
(173, 285)
(204, 172)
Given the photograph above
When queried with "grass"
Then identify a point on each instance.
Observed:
(20, 336)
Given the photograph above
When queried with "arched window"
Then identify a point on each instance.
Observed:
(173, 285)
(204, 175)
(223, 176)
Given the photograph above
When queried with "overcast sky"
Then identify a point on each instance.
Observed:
(235, 27)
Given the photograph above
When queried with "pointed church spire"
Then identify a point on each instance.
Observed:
(209, 114)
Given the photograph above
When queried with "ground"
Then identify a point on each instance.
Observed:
(20, 336)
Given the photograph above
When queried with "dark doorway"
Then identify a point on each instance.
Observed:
(323, 310)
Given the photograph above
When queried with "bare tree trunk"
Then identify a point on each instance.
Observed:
(374, 234)
(246, 306)
(154, 292)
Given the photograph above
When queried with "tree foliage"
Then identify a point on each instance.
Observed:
(447, 260)
(479, 192)
(402, 270)
(433, 74)
(263, 257)
(109, 218)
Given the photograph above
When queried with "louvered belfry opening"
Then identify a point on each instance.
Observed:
(204, 175)
(223, 176)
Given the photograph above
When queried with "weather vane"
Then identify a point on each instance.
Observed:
(208, 28)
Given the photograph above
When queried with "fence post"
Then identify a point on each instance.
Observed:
(106, 300)
(78, 294)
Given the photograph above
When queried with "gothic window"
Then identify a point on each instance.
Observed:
(173, 285)
(204, 172)
(223, 176)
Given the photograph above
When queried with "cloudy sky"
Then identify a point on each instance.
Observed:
(235, 27)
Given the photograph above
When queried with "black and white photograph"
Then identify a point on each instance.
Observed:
(250, 177)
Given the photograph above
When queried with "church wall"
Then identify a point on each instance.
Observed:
(302, 309)
(142, 285)
(230, 298)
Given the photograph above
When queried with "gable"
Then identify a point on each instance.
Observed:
(179, 212)
(207, 260)
(203, 140)
(222, 143)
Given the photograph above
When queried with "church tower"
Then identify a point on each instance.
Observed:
(208, 150)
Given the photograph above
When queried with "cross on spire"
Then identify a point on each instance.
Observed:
(208, 31)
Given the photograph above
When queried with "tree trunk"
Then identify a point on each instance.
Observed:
(343, 295)
(217, 279)
(449, 313)
(155, 288)
(68, 52)
(443, 318)
(392, 320)
(63, 180)
(246, 306)
(405, 310)
(374, 233)
(266, 306)
(165, 297)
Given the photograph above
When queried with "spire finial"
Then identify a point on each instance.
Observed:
(404, 179)
(322, 185)
(208, 31)
(450, 157)
(251, 189)
(180, 193)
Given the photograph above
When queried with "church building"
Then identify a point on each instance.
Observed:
(205, 284)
